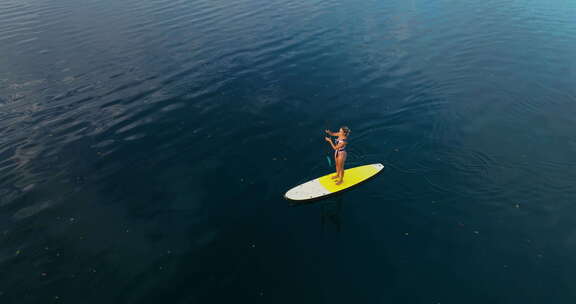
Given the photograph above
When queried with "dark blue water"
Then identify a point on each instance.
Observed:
(145, 147)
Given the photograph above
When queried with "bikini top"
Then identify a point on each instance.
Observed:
(341, 140)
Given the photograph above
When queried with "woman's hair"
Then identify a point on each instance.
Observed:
(346, 130)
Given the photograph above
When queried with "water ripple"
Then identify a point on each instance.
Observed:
(130, 113)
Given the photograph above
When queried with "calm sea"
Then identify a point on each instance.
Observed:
(146, 145)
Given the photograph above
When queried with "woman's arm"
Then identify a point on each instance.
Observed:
(331, 133)
(335, 147)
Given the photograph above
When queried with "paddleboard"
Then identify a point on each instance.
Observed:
(325, 185)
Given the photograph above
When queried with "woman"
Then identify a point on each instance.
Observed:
(339, 151)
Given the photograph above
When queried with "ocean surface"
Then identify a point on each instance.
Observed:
(146, 145)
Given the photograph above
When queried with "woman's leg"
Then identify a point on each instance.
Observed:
(335, 176)
(338, 166)
(341, 159)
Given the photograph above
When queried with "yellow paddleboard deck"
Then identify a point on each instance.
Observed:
(325, 185)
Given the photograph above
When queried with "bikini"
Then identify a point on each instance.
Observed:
(343, 149)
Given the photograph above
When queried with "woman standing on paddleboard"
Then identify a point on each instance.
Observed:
(339, 151)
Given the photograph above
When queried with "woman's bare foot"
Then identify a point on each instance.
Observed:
(339, 182)
(334, 176)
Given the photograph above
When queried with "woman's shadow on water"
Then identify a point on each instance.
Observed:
(330, 212)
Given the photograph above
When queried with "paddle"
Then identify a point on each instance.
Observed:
(329, 150)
